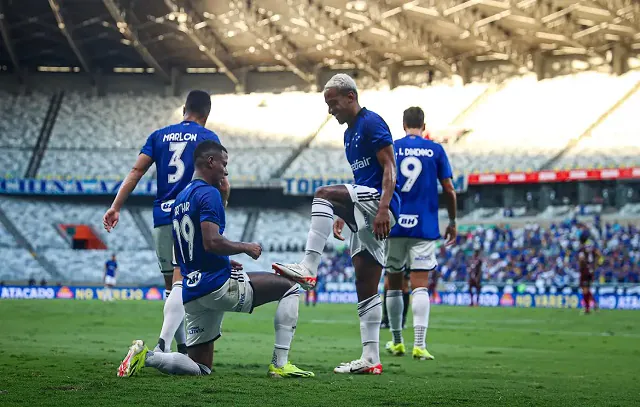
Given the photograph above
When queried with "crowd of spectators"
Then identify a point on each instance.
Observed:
(546, 256)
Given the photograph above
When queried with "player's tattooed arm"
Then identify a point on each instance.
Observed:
(141, 166)
(451, 200)
(214, 242)
(382, 222)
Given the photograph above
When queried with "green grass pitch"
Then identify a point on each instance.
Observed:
(65, 353)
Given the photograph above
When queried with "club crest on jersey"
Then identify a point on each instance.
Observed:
(359, 164)
(166, 206)
(408, 221)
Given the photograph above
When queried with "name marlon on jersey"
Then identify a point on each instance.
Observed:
(179, 137)
(359, 164)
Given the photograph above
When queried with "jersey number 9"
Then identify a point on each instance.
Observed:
(176, 161)
(185, 230)
(410, 168)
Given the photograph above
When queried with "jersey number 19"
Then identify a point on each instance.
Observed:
(410, 168)
(185, 230)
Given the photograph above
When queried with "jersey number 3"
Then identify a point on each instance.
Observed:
(410, 168)
(176, 161)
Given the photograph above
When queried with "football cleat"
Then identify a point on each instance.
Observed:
(298, 273)
(422, 354)
(359, 366)
(134, 361)
(288, 371)
(395, 349)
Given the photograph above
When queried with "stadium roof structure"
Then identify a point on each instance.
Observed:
(304, 35)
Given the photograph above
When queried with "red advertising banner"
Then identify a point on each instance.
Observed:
(554, 176)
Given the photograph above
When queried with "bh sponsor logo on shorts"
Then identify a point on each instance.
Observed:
(195, 330)
(408, 221)
(166, 206)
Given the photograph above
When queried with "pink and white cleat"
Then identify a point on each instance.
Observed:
(359, 366)
(298, 273)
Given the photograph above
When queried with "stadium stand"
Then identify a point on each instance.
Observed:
(22, 117)
(19, 264)
(87, 266)
(14, 161)
(612, 144)
(39, 220)
(514, 132)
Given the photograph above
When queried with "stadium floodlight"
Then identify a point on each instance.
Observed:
(399, 26)
(130, 35)
(267, 34)
(198, 30)
(57, 12)
(317, 19)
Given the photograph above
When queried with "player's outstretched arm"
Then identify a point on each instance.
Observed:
(214, 242)
(382, 223)
(451, 199)
(141, 166)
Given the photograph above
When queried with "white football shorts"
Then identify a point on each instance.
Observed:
(163, 239)
(109, 280)
(203, 316)
(365, 208)
(411, 254)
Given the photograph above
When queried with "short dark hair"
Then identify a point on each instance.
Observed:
(198, 102)
(206, 149)
(413, 117)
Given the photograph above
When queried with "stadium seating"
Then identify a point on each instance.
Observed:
(39, 220)
(101, 137)
(521, 126)
(261, 120)
(112, 121)
(19, 264)
(90, 164)
(22, 118)
(14, 162)
(87, 266)
(612, 144)
(283, 231)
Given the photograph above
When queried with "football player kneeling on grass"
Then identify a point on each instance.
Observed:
(212, 283)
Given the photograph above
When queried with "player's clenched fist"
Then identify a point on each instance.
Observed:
(253, 250)
(110, 219)
(338, 225)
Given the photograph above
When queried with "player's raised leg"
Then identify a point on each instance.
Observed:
(327, 201)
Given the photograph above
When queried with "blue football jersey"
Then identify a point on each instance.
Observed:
(367, 135)
(421, 163)
(111, 266)
(202, 272)
(171, 148)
